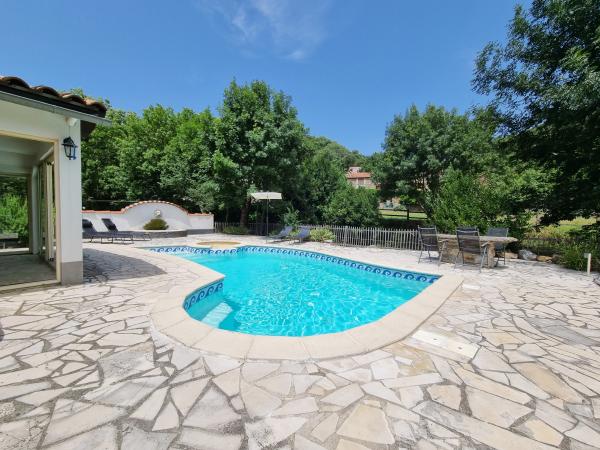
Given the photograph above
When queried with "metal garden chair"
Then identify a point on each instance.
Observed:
(430, 243)
(469, 242)
(499, 247)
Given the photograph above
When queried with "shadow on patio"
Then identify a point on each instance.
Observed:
(117, 267)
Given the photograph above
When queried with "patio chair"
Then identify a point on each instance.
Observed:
(431, 243)
(469, 242)
(89, 232)
(302, 235)
(283, 234)
(467, 228)
(110, 226)
(499, 247)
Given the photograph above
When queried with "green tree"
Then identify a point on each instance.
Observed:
(344, 157)
(211, 163)
(259, 143)
(495, 198)
(15, 185)
(545, 84)
(353, 206)
(14, 217)
(142, 150)
(186, 166)
(101, 174)
(322, 174)
(421, 146)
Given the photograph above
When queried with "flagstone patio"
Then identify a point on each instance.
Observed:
(510, 361)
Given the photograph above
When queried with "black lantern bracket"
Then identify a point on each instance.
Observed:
(70, 148)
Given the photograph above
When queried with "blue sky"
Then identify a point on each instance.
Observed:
(349, 65)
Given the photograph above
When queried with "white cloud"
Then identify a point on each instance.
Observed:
(290, 28)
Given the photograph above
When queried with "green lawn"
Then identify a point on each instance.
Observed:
(564, 226)
(388, 213)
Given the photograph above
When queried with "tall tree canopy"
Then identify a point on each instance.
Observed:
(322, 174)
(545, 83)
(211, 163)
(259, 143)
(186, 165)
(101, 175)
(143, 149)
(420, 146)
(344, 157)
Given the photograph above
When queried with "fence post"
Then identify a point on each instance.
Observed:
(345, 235)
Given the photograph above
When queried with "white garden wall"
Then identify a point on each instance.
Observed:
(134, 217)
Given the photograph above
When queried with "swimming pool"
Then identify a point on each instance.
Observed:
(286, 292)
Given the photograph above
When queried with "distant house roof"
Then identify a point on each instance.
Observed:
(88, 110)
(352, 175)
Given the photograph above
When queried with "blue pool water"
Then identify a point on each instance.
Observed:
(298, 294)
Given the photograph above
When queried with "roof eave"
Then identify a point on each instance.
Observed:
(46, 103)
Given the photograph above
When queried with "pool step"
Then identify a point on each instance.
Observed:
(218, 314)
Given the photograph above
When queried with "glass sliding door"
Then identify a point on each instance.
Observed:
(47, 212)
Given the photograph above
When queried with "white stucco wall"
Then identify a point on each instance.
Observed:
(137, 215)
(31, 123)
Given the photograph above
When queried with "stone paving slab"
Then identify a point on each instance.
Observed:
(510, 361)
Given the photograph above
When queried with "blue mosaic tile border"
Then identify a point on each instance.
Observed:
(202, 293)
(187, 250)
(385, 271)
(380, 270)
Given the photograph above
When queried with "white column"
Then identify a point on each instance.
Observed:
(68, 209)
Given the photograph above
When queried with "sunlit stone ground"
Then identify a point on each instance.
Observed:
(510, 361)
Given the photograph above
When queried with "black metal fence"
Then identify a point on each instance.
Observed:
(404, 239)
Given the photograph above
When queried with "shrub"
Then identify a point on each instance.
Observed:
(477, 201)
(586, 240)
(13, 216)
(156, 224)
(235, 230)
(291, 218)
(357, 207)
(321, 235)
(572, 256)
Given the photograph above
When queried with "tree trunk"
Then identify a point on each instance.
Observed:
(244, 213)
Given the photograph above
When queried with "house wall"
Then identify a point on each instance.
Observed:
(362, 182)
(30, 123)
(135, 216)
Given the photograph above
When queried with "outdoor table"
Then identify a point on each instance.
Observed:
(452, 247)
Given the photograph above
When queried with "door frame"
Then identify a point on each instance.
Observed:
(53, 141)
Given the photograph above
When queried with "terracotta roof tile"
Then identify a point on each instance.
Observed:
(47, 91)
(351, 175)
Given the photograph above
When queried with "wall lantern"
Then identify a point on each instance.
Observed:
(70, 148)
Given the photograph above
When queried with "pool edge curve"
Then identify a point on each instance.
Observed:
(170, 318)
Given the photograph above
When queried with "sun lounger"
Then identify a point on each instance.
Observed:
(110, 226)
(283, 234)
(89, 232)
(302, 235)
